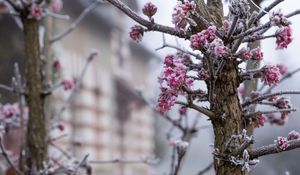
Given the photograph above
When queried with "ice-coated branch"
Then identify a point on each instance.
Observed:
(257, 113)
(85, 12)
(200, 109)
(165, 44)
(263, 97)
(147, 161)
(206, 169)
(148, 24)
(272, 149)
(267, 9)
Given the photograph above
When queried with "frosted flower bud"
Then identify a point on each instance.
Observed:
(283, 37)
(35, 11)
(149, 9)
(293, 135)
(282, 143)
(270, 75)
(136, 33)
(257, 54)
(282, 68)
(203, 74)
(68, 85)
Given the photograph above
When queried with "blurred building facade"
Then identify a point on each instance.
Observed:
(107, 118)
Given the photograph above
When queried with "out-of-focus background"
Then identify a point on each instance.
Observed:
(107, 118)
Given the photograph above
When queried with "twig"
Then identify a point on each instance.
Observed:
(177, 48)
(77, 86)
(204, 111)
(7, 88)
(260, 98)
(85, 12)
(148, 24)
(273, 149)
(6, 157)
(254, 114)
(206, 169)
(139, 161)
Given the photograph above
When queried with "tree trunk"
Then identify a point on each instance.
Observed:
(228, 119)
(36, 135)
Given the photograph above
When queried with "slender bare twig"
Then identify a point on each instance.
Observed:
(263, 97)
(151, 26)
(165, 44)
(206, 169)
(203, 110)
(138, 161)
(76, 87)
(272, 149)
(257, 113)
(6, 157)
(85, 12)
(7, 88)
(267, 9)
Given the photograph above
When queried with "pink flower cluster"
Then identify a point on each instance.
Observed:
(136, 33)
(203, 38)
(217, 48)
(257, 54)
(56, 5)
(10, 110)
(171, 80)
(35, 11)
(180, 14)
(293, 135)
(149, 9)
(203, 74)
(282, 143)
(277, 18)
(270, 75)
(283, 37)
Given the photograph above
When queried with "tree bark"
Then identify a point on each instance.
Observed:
(36, 135)
(228, 118)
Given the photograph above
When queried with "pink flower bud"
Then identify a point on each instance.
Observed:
(136, 33)
(61, 127)
(283, 37)
(57, 65)
(282, 68)
(56, 5)
(35, 11)
(282, 143)
(68, 84)
(271, 75)
(149, 9)
(293, 135)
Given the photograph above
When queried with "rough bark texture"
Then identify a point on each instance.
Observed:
(36, 147)
(228, 117)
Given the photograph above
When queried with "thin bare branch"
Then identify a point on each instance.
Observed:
(85, 12)
(203, 110)
(151, 26)
(272, 149)
(263, 97)
(206, 169)
(257, 113)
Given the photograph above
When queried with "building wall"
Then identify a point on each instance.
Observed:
(106, 119)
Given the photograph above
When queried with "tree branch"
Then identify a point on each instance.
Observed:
(148, 24)
(272, 149)
(85, 12)
(260, 98)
